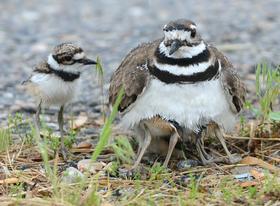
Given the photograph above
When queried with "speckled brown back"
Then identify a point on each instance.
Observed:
(132, 74)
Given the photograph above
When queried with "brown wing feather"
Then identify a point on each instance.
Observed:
(233, 86)
(132, 74)
(40, 68)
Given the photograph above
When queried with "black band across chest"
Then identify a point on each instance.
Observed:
(201, 57)
(210, 73)
(64, 75)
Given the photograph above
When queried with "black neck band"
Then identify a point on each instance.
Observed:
(201, 57)
(210, 73)
(64, 75)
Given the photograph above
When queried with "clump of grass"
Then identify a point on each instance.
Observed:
(51, 170)
(156, 171)
(123, 150)
(99, 68)
(267, 91)
(17, 190)
(5, 139)
(100, 79)
(107, 129)
(92, 199)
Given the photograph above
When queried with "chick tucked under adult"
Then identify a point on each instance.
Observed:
(55, 81)
(174, 87)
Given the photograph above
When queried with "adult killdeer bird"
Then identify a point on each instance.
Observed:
(55, 81)
(175, 86)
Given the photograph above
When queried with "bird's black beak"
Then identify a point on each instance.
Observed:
(87, 61)
(175, 45)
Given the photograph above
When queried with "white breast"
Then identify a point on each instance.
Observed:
(191, 105)
(53, 90)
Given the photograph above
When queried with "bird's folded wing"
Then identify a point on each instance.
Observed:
(233, 86)
(42, 68)
(132, 74)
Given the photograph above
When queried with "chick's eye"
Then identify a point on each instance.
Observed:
(193, 33)
(68, 58)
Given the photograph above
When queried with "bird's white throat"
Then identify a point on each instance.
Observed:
(184, 51)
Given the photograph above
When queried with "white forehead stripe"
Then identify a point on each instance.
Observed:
(52, 62)
(79, 56)
(177, 34)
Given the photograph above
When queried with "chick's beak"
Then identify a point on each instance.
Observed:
(175, 45)
(86, 61)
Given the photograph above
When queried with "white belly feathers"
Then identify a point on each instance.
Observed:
(191, 105)
(53, 90)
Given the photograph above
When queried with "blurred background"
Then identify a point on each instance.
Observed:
(246, 31)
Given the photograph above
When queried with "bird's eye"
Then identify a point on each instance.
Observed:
(193, 33)
(68, 58)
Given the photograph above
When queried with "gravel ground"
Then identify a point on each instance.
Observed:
(247, 31)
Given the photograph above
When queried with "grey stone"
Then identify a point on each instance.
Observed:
(72, 175)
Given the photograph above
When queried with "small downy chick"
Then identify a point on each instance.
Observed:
(55, 81)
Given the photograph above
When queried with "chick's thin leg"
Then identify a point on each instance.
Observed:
(146, 143)
(60, 124)
(172, 143)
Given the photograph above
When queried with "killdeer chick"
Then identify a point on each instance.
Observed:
(179, 78)
(55, 81)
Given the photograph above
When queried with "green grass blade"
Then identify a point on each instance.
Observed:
(107, 129)
(5, 139)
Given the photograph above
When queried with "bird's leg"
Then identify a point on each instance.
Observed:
(204, 156)
(60, 124)
(146, 143)
(172, 143)
(37, 120)
(232, 158)
(201, 155)
(200, 143)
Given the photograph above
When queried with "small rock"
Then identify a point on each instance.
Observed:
(126, 173)
(276, 154)
(80, 121)
(83, 145)
(185, 180)
(185, 164)
(5, 171)
(243, 177)
(72, 175)
(88, 165)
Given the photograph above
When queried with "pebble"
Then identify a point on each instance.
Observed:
(4, 170)
(88, 165)
(185, 164)
(83, 145)
(72, 175)
(126, 173)
(185, 180)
